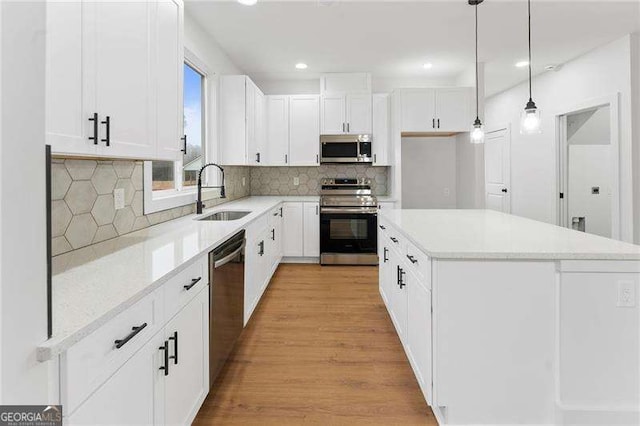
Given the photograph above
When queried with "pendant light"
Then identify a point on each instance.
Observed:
(477, 131)
(530, 120)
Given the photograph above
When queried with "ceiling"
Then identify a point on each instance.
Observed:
(394, 39)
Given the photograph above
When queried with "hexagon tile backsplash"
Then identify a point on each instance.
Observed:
(279, 180)
(82, 206)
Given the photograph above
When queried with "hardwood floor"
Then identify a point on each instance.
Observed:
(319, 349)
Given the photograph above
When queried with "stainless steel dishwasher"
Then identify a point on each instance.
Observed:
(226, 301)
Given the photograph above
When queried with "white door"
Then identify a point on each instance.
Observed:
(311, 230)
(384, 270)
(169, 80)
(497, 170)
(419, 332)
(133, 395)
(70, 78)
(418, 110)
(187, 384)
(292, 229)
(399, 294)
(125, 78)
(358, 113)
(453, 108)
(304, 130)
(381, 132)
(277, 143)
(333, 117)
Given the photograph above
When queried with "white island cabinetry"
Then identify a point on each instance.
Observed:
(509, 320)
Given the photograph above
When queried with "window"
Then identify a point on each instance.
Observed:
(171, 184)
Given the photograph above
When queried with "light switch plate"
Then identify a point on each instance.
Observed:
(626, 294)
(118, 198)
(296, 181)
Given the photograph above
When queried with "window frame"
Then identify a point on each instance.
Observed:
(155, 201)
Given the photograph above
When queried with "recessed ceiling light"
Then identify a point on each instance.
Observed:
(427, 66)
(248, 2)
(301, 66)
(522, 64)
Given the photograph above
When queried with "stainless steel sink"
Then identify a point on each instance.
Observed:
(226, 215)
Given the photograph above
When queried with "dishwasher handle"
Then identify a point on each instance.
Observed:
(227, 259)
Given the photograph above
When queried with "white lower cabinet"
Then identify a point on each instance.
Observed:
(407, 296)
(164, 382)
(311, 244)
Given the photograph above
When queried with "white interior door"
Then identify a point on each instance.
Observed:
(497, 170)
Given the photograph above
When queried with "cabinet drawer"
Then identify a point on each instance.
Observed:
(90, 362)
(255, 228)
(397, 241)
(178, 290)
(419, 263)
(275, 216)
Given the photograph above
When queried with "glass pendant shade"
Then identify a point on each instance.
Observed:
(530, 123)
(477, 132)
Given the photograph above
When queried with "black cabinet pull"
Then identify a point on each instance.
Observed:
(184, 140)
(286, 159)
(382, 227)
(94, 138)
(107, 134)
(400, 274)
(384, 255)
(438, 123)
(273, 234)
(165, 348)
(395, 240)
(174, 357)
(257, 157)
(261, 248)
(276, 214)
(348, 127)
(194, 281)
(412, 259)
(280, 211)
(135, 330)
(433, 123)
(505, 190)
(317, 158)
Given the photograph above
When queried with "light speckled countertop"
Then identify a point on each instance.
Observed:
(487, 234)
(94, 284)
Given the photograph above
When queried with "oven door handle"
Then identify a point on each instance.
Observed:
(363, 210)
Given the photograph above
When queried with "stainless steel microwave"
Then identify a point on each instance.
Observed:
(345, 149)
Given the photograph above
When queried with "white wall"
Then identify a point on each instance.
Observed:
(469, 173)
(23, 320)
(635, 129)
(589, 127)
(429, 173)
(600, 73)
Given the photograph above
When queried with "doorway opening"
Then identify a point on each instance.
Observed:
(589, 170)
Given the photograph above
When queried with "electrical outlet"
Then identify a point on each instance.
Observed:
(244, 181)
(447, 192)
(626, 294)
(118, 198)
(296, 181)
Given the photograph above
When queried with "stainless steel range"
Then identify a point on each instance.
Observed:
(348, 220)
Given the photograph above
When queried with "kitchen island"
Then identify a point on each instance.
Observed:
(510, 320)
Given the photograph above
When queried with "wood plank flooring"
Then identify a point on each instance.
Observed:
(319, 349)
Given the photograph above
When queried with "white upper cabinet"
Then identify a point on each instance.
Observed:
(277, 128)
(304, 130)
(345, 103)
(113, 78)
(241, 117)
(381, 129)
(453, 109)
(436, 110)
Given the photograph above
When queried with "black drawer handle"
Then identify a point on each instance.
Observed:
(412, 259)
(401, 272)
(273, 234)
(384, 255)
(135, 330)
(107, 124)
(174, 357)
(276, 214)
(194, 281)
(94, 138)
(165, 349)
(395, 240)
(382, 227)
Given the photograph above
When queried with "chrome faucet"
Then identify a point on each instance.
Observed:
(199, 204)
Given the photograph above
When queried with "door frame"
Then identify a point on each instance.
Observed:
(507, 158)
(560, 120)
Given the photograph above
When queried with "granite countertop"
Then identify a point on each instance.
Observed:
(488, 234)
(94, 284)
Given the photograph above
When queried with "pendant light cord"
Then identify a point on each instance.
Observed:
(529, 13)
(477, 102)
